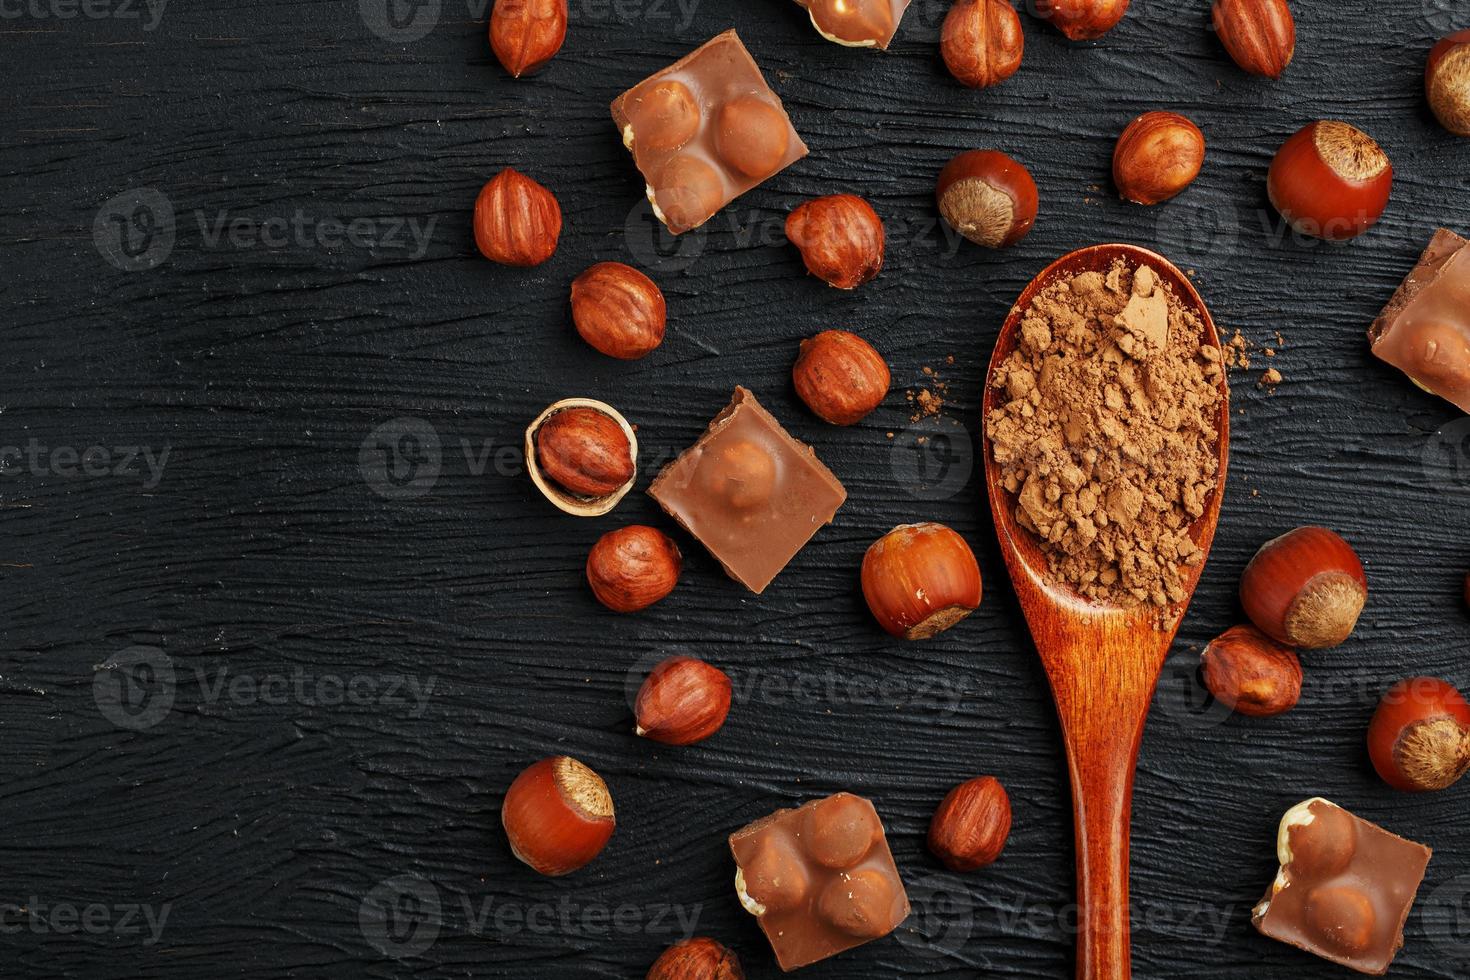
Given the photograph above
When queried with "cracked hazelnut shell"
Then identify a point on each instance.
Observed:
(584, 448)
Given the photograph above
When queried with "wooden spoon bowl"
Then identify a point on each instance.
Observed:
(1103, 661)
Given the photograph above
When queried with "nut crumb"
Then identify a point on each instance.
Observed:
(1271, 378)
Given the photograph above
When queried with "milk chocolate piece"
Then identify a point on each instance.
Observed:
(1345, 887)
(857, 23)
(749, 492)
(1425, 329)
(704, 131)
(820, 879)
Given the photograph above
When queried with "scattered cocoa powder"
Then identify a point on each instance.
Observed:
(1107, 432)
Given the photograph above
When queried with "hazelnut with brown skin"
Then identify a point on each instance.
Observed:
(1082, 20)
(558, 816)
(584, 451)
(526, 34)
(840, 376)
(1420, 736)
(682, 701)
(1260, 35)
(1157, 157)
(633, 567)
(618, 310)
(982, 42)
(697, 959)
(987, 197)
(840, 237)
(517, 221)
(920, 579)
(972, 825)
(1251, 673)
(1305, 589)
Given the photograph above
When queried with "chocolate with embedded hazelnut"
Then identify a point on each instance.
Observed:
(820, 879)
(857, 23)
(1345, 888)
(704, 131)
(749, 492)
(1425, 329)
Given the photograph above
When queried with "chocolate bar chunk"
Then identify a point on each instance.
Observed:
(857, 23)
(749, 492)
(704, 131)
(1425, 329)
(820, 879)
(1345, 887)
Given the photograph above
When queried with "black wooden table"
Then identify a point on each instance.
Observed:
(283, 616)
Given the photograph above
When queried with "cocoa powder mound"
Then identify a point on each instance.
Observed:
(1107, 432)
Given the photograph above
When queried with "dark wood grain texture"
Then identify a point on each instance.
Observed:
(264, 817)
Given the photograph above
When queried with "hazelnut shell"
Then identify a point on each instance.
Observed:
(572, 503)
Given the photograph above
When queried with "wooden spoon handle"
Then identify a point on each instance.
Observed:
(1102, 796)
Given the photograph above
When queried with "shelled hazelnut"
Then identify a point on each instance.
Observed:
(840, 376)
(1082, 20)
(920, 579)
(517, 221)
(1330, 181)
(1260, 35)
(987, 197)
(526, 34)
(558, 816)
(840, 237)
(633, 567)
(982, 42)
(582, 455)
(697, 959)
(1420, 736)
(972, 825)
(1305, 589)
(1251, 673)
(683, 700)
(1157, 157)
(1447, 82)
(618, 310)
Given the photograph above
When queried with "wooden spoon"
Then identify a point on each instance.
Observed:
(1103, 661)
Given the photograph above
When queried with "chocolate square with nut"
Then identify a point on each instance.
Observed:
(1345, 888)
(857, 23)
(704, 131)
(750, 493)
(820, 879)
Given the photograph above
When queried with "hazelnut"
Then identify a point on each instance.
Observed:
(862, 904)
(853, 23)
(982, 42)
(1305, 589)
(673, 116)
(741, 473)
(1158, 156)
(987, 197)
(526, 34)
(1420, 736)
(1447, 82)
(1082, 20)
(920, 579)
(682, 701)
(517, 221)
(840, 376)
(1324, 843)
(1251, 673)
(1260, 35)
(558, 816)
(690, 192)
(1342, 917)
(633, 567)
(618, 310)
(972, 825)
(697, 959)
(840, 831)
(840, 237)
(575, 450)
(752, 136)
(774, 880)
(1330, 181)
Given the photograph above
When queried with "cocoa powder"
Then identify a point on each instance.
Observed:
(1106, 432)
